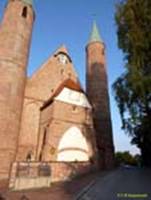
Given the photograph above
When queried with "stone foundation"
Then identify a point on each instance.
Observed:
(27, 175)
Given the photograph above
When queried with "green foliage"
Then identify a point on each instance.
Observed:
(133, 88)
(126, 158)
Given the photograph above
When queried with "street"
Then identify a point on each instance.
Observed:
(126, 183)
(122, 184)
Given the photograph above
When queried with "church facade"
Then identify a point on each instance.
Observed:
(49, 126)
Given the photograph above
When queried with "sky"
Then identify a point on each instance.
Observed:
(69, 22)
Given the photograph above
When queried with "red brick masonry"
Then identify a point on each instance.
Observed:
(57, 171)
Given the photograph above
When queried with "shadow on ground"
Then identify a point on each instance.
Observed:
(59, 191)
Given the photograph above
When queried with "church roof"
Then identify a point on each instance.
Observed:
(70, 84)
(95, 35)
(30, 2)
(67, 83)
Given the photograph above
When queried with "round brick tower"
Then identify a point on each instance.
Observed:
(15, 37)
(97, 92)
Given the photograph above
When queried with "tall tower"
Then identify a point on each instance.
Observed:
(15, 36)
(97, 92)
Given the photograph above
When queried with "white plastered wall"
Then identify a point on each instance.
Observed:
(73, 97)
(73, 146)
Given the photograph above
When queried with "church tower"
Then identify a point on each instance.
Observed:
(15, 37)
(97, 92)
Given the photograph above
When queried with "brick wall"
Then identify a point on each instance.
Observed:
(39, 88)
(97, 91)
(26, 175)
(29, 129)
(15, 37)
(56, 120)
(43, 83)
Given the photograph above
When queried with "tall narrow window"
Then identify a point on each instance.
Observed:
(44, 137)
(43, 143)
(24, 12)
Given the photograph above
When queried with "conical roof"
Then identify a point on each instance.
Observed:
(95, 35)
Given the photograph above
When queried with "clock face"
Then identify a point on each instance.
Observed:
(62, 59)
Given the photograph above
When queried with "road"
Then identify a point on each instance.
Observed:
(114, 185)
(58, 191)
(123, 184)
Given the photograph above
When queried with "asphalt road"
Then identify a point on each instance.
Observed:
(122, 184)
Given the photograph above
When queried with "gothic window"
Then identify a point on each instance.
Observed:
(24, 12)
(40, 157)
(62, 58)
(43, 143)
(44, 137)
(29, 156)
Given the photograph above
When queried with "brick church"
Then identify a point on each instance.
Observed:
(50, 128)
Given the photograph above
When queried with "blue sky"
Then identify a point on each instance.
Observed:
(69, 22)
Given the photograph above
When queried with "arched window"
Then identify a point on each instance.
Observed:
(44, 137)
(43, 143)
(24, 12)
(29, 156)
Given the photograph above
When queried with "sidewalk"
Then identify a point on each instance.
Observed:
(60, 191)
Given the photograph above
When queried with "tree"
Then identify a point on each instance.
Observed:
(133, 88)
(125, 158)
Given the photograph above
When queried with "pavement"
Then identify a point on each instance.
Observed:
(128, 183)
(59, 191)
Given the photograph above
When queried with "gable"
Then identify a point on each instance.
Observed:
(69, 92)
(73, 97)
(44, 82)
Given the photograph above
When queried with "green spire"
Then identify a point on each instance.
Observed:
(95, 36)
(29, 2)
